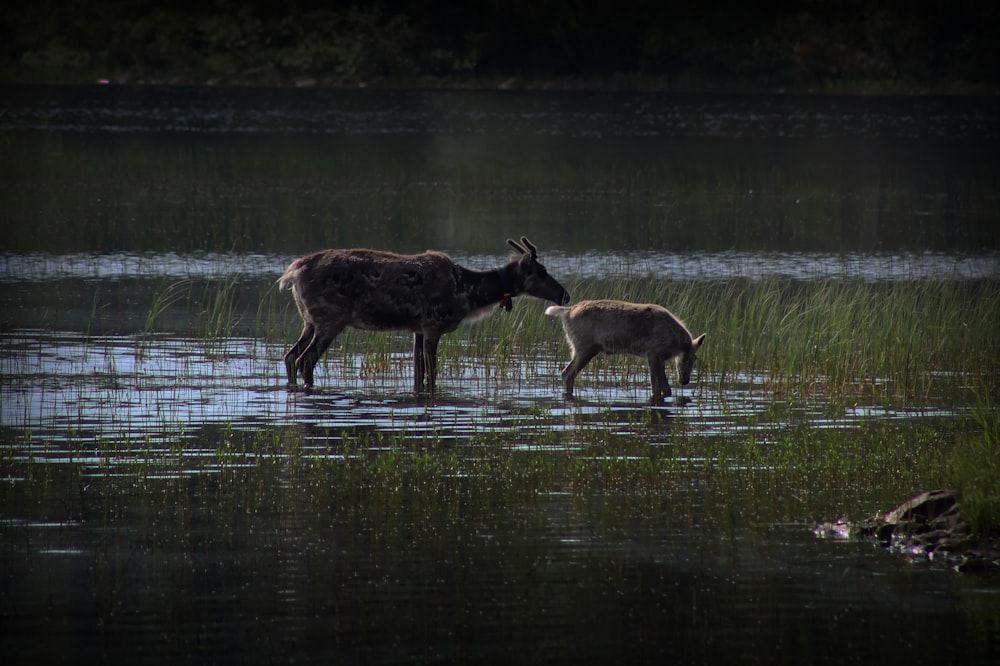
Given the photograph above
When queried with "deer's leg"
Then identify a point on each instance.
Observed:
(307, 360)
(310, 357)
(430, 361)
(418, 361)
(579, 360)
(296, 350)
(658, 380)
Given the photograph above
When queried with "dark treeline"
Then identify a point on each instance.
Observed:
(889, 45)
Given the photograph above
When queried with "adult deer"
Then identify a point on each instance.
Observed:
(428, 294)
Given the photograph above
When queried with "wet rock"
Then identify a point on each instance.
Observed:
(928, 526)
(840, 529)
(924, 507)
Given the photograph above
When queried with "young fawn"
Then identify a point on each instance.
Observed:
(618, 327)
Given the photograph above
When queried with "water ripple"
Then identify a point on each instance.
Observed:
(67, 387)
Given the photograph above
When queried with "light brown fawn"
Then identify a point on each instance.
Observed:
(619, 327)
(427, 293)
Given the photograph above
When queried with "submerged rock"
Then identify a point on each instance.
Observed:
(927, 526)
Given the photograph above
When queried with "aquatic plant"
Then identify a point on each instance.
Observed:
(163, 300)
(845, 343)
(218, 314)
(275, 319)
(895, 341)
(974, 469)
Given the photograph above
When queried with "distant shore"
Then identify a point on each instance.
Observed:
(617, 83)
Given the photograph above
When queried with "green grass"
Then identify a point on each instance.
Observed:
(973, 467)
(219, 315)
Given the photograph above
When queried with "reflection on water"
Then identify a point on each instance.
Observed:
(68, 386)
(572, 584)
(161, 170)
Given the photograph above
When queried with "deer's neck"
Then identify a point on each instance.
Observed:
(507, 285)
(490, 287)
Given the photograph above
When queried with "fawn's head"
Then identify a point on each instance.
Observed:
(685, 361)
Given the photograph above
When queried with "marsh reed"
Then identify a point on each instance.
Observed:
(894, 342)
(897, 341)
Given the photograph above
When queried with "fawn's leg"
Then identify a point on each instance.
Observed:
(577, 363)
(658, 380)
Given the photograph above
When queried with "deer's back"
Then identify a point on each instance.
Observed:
(377, 290)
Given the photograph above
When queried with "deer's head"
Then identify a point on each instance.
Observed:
(529, 275)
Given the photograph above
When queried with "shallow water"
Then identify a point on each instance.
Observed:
(165, 497)
(88, 388)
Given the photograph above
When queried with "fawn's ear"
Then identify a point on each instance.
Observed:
(697, 342)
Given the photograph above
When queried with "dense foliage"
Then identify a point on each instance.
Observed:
(812, 45)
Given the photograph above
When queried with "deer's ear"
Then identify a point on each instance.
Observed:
(517, 248)
(697, 342)
(527, 244)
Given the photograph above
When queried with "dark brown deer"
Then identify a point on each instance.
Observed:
(619, 327)
(428, 294)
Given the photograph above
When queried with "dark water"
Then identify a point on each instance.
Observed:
(220, 170)
(166, 498)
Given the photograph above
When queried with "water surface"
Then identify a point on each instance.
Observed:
(165, 497)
